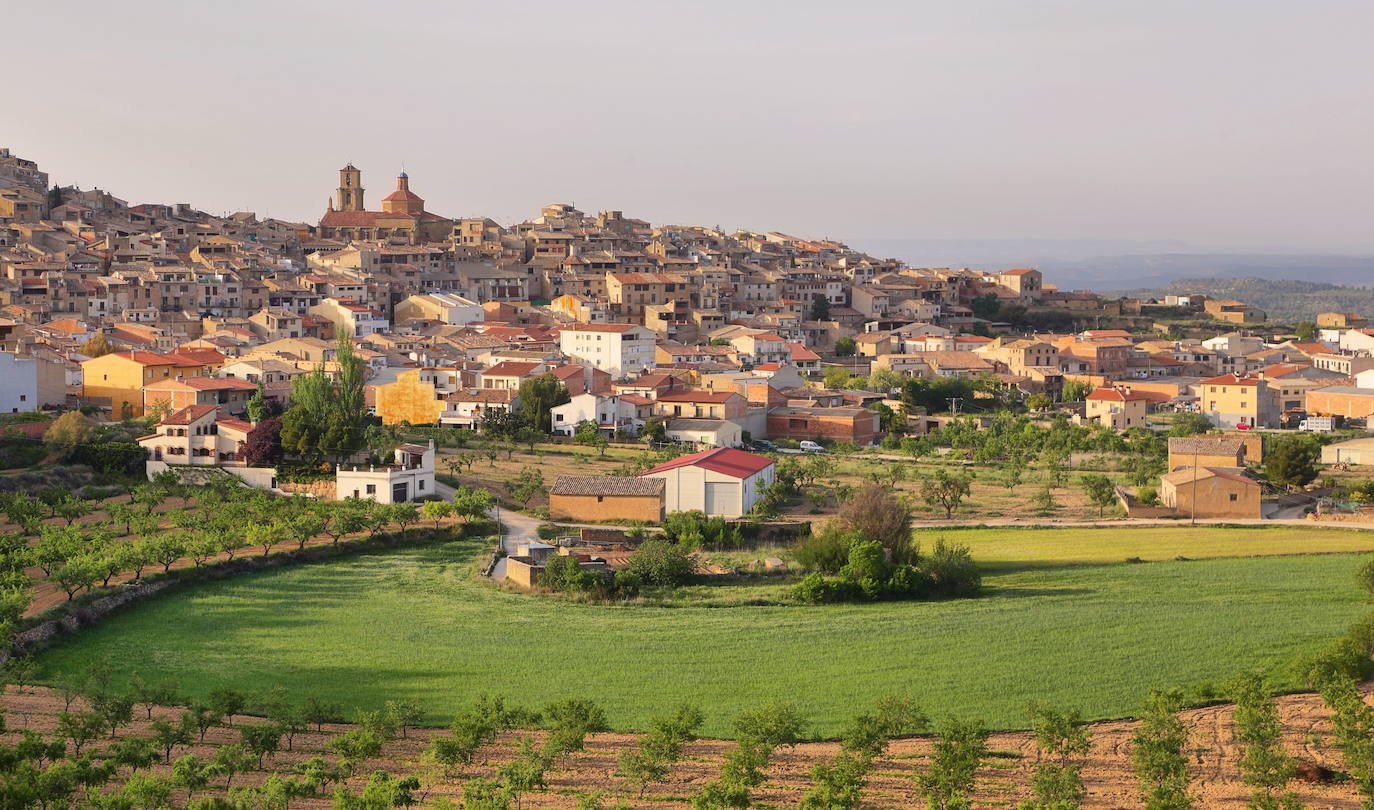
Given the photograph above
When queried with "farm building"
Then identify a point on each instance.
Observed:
(1210, 492)
(598, 497)
(1355, 451)
(725, 481)
(1206, 451)
(1341, 400)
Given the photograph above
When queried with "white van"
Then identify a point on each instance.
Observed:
(810, 447)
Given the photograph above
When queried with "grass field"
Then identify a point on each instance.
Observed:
(1001, 548)
(413, 623)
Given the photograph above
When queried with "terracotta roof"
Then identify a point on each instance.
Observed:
(359, 219)
(607, 485)
(699, 396)
(156, 359)
(234, 424)
(510, 368)
(600, 327)
(724, 460)
(1115, 395)
(1185, 475)
(1233, 379)
(189, 414)
(1020, 271)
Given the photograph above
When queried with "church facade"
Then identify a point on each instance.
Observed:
(403, 216)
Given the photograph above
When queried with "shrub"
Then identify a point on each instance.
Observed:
(951, 570)
(661, 562)
(1149, 496)
(693, 530)
(875, 512)
(826, 551)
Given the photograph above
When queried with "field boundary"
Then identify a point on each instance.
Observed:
(74, 616)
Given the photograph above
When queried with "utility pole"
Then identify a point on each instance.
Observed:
(1192, 520)
(954, 405)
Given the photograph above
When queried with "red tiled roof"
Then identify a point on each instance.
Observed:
(510, 368)
(699, 396)
(189, 414)
(724, 460)
(1115, 395)
(155, 359)
(1233, 379)
(600, 327)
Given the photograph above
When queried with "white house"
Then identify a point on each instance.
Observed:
(705, 432)
(725, 481)
(197, 435)
(408, 477)
(620, 349)
(610, 414)
(20, 389)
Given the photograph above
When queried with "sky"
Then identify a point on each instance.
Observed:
(1213, 122)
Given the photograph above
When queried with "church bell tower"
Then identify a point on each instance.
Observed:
(350, 194)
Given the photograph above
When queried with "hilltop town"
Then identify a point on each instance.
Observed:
(441, 434)
(451, 314)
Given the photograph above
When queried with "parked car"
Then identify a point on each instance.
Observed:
(811, 447)
(765, 446)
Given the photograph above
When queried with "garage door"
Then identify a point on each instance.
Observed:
(722, 498)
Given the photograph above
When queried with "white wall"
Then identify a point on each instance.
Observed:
(18, 383)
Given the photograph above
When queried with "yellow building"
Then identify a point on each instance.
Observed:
(413, 398)
(116, 380)
(1232, 400)
(1115, 408)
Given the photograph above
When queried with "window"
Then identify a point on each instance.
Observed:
(371, 489)
(1234, 497)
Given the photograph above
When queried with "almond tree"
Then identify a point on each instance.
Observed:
(1161, 767)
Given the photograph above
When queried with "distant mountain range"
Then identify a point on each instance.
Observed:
(1104, 265)
(1284, 300)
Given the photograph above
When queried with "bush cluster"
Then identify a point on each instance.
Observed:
(867, 574)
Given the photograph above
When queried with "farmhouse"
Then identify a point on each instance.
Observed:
(1210, 492)
(594, 498)
(725, 481)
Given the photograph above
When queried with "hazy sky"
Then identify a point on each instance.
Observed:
(1212, 121)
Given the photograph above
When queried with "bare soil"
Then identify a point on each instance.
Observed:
(1002, 782)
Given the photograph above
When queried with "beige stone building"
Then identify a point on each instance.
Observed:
(1211, 492)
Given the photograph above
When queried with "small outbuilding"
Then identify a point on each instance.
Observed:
(596, 498)
(1355, 451)
(724, 482)
(1211, 492)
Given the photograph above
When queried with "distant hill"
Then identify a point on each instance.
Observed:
(1283, 299)
(1086, 264)
(1158, 270)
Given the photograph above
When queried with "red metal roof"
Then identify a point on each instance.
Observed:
(724, 460)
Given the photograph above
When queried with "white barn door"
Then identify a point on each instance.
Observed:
(722, 498)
